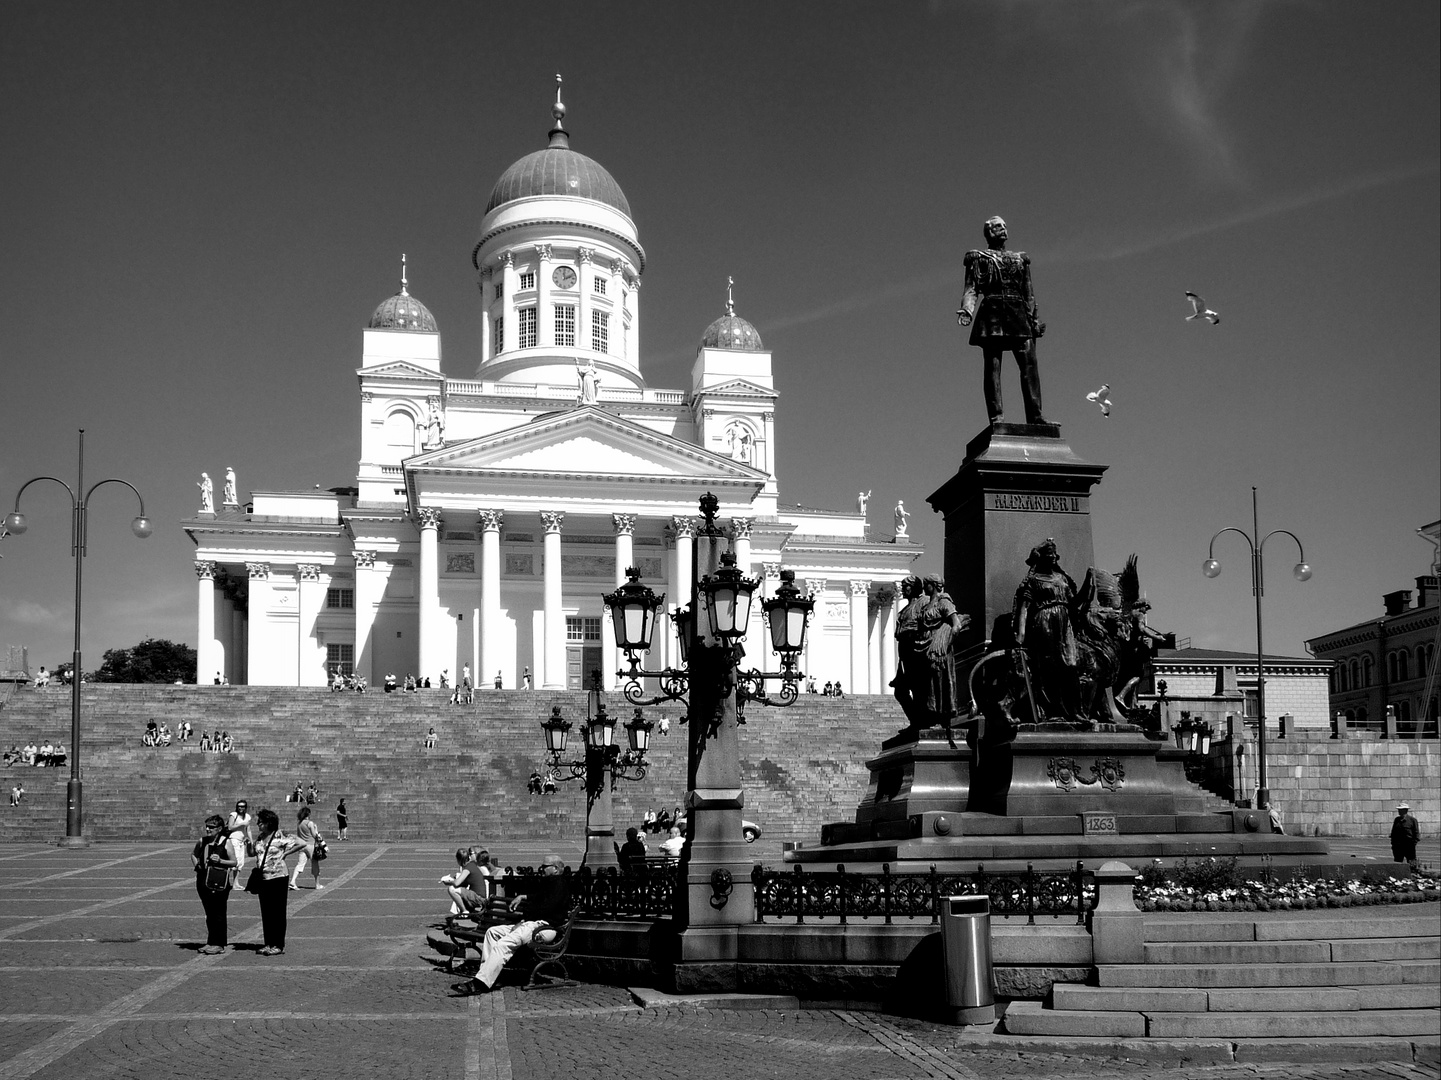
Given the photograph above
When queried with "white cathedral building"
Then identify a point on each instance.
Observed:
(490, 513)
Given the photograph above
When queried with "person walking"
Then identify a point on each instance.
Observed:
(214, 865)
(270, 848)
(1405, 834)
(238, 832)
(305, 830)
(342, 819)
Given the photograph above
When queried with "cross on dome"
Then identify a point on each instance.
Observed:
(730, 300)
(403, 282)
(558, 136)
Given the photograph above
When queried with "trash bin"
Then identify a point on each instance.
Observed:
(966, 941)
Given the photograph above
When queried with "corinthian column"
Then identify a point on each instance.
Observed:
(624, 558)
(490, 635)
(259, 660)
(369, 588)
(554, 521)
(682, 575)
(427, 594)
(860, 654)
(207, 651)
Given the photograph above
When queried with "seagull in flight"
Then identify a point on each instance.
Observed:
(1200, 310)
(1102, 397)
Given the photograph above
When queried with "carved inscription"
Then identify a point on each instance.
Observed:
(1047, 504)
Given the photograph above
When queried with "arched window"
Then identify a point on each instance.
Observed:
(1366, 667)
(1351, 717)
(1335, 682)
(1353, 673)
(1360, 716)
(1391, 667)
(400, 431)
(1343, 683)
(1421, 664)
(1401, 666)
(1403, 713)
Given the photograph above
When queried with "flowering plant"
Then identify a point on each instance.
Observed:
(1216, 885)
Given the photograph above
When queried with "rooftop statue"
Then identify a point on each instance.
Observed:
(207, 494)
(901, 515)
(863, 499)
(589, 379)
(230, 499)
(1000, 307)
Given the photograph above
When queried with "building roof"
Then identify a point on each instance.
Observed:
(731, 332)
(403, 311)
(557, 170)
(1227, 657)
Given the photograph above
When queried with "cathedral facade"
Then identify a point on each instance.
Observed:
(490, 513)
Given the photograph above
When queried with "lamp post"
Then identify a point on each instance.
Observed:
(79, 508)
(602, 756)
(1302, 572)
(714, 892)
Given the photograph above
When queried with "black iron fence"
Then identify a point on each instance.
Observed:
(645, 892)
(842, 895)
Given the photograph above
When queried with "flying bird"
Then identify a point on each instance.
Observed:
(1102, 397)
(1200, 310)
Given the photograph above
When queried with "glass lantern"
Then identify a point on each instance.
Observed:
(728, 595)
(556, 729)
(632, 613)
(787, 614)
(600, 730)
(638, 732)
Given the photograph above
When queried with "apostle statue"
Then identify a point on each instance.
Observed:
(207, 494)
(1001, 304)
(230, 499)
(863, 499)
(901, 514)
(589, 379)
(434, 428)
(925, 682)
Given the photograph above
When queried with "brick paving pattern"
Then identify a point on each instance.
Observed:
(100, 977)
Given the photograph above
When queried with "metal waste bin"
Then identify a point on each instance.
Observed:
(966, 940)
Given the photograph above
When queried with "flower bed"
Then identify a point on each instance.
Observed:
(1216, 885)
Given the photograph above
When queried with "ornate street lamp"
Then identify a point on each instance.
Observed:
(1302, 572)
(726, 599)
(787, 614)
(79, 509)
(602, 756)
(632, 612)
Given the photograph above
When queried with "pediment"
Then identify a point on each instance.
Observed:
(740, 388)
(584, 442)
(400, 369)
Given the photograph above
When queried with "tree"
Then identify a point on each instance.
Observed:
(154, 660)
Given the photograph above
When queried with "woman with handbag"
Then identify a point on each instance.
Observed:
(214, 875)
(270, 880)
(306, 831)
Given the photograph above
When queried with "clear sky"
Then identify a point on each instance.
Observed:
(204, 203)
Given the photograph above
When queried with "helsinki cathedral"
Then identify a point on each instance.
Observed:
(490, 512)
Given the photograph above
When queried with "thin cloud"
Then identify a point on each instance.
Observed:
(1285, 205)
(28, 613)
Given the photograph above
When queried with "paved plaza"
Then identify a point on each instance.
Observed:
(101, 977)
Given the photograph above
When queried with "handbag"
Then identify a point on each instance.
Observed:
(322, 850)
(257, 876)
(217, 878)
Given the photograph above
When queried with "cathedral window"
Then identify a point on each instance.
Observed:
(497, 335)
(579, 630)
(600, 331)
(1366, 666)
(527, 280)
(339, 660)
(565, 324)
(527, 338)
(340, 598)
(499, 290)
(598, 284)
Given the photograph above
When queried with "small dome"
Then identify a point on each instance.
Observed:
(403, 311)
(731, 332)
(557, 170)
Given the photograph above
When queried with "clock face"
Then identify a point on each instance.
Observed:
(564, 277)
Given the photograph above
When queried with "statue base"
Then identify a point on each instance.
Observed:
(1018, 485)
(1110, 793)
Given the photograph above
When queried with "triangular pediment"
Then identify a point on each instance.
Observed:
(584, 442)
(400, 369)
(740, 388)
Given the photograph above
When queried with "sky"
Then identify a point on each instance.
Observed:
(206, 202)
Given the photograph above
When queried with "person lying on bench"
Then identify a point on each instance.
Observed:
(541, 911)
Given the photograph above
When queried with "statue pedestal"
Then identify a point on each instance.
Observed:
(1018, 485)
(1089, 795)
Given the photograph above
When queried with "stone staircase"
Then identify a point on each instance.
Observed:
(1371, 973)
(802, 765)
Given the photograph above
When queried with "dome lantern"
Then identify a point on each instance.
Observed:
(730, 331)
(403, 311)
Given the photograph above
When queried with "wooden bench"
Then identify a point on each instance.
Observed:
(534, 956)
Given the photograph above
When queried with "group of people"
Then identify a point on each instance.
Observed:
(42, 678)
(534, 916)
(341, 682)
(307, 794)
(634, 852)
(228, 843)
(473, 885)
(463, 693)
(46, 754)
(831, 689)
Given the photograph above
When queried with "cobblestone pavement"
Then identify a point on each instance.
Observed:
(100, 977)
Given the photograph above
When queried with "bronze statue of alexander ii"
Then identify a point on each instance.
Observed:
(1000, 307)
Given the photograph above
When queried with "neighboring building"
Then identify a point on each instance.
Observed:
(490, 513)
(1211, 684)
(1389, 661)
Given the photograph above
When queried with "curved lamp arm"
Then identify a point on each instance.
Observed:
(1211, 548)
(37, 480)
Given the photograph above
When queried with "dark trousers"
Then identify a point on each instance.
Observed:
(274, 892)
(214, 903)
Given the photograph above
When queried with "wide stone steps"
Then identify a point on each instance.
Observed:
(368, 748)
(1370, 974)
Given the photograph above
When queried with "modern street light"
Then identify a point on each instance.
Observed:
(79, 507)
(1302, 572)
(602, 755)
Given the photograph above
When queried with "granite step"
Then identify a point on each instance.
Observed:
(1273, 927)
(1364, 973)
(1030, 1018)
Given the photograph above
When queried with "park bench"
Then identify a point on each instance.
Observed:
(534, 956)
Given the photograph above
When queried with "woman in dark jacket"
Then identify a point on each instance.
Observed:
(270, 848)
(213, 852)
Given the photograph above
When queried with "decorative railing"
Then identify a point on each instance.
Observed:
(842, 895)
(646, 892)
